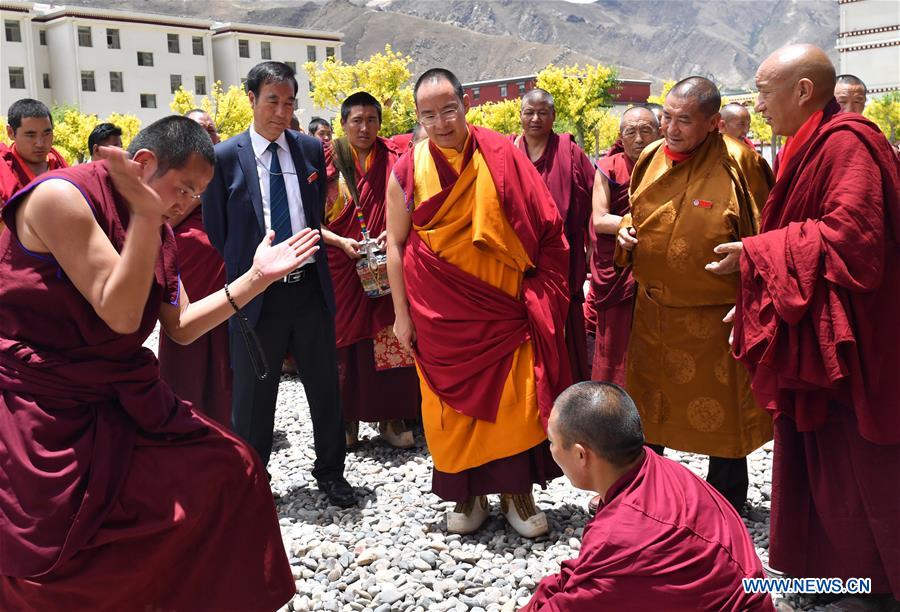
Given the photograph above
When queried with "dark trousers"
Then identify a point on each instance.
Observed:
(294, 316)
(727, 476)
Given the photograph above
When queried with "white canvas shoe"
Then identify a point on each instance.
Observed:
(468, 516)
(523, 515)
(393, 433)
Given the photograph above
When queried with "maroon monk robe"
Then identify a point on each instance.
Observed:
(816, 327)
(367, 394)
(115, 494)
(15, 173)
(610, 302)
(569, 176)
(664, 540)
(461, 357)
(199, 372)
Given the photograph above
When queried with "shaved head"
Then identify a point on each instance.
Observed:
(638, 113)
(850, 92)
(735, 120)
(537, 95)
(794, 82)
(700, 89)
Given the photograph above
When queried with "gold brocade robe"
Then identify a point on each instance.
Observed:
(691, 393)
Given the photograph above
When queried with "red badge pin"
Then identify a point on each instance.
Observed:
(702, 203)
(312, 178)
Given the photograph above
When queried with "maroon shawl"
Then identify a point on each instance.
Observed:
(15, 173)
(612, 285)
(468, 330)
(359, 317)
(816, 313)
(74, 392)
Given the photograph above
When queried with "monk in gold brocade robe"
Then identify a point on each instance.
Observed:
(689, 193)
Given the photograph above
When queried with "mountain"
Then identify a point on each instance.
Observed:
(652, 39)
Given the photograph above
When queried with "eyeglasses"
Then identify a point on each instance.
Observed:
(447, 115)
(542, 114)
(184, 193)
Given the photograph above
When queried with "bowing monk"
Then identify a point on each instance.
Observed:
(30, 127)
(569, 176)
(734, 121)
(850, 92)
(115, 494)
(688, 192)
(610, 300)
(815, 324)
(199, 372)
(377, 377)
(662, 540)
(478, 265)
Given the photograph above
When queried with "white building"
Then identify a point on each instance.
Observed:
(105, 61)
(869, 43)
(237, 47)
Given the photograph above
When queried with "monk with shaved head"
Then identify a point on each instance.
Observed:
(688, 192)
(734, 121)
(815, 324)
(610, 300)
(569, 175)
(850, 92)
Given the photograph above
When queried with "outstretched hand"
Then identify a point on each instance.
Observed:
(275, 261)
(127, 176)
(729, 264)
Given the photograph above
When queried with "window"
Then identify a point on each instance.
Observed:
(293, 65)
(87, 81)
(476, 93)
(174, 82)
(174, 43)
(312, 87)
(243, 47)
(521, 87)
(16, 78)
(84, 36)
(311, 53)
(112, 39)
(145, 58)
(116, 84)
(42, 37)
(200, 85)
(197, 44)
(265, 50)
(13, 31)
(503, 91)
(46, 81)
(148, 100)
(329, 52)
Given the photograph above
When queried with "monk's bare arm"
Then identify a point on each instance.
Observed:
(56, 219)
(399, 223)
(185, 322)
(604, 221)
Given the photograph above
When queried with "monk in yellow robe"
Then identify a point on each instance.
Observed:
(689, 193)
(478, 266)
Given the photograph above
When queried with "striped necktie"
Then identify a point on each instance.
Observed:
(279, 213)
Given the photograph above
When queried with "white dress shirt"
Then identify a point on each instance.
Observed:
(289, 174)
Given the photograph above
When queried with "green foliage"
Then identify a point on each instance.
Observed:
(580, 93)
(502, 116)
(884, 111)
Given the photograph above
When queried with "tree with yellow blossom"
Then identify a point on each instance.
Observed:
(230, 109)
(385, 75)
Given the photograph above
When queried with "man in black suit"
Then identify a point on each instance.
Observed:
(272, 179)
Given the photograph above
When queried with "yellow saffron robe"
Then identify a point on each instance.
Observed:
(471, 232)
(691, 393)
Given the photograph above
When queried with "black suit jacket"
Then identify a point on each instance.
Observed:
(232, 205)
